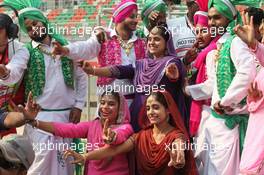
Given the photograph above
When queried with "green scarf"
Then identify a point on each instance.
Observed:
(225, 68)
(225, 74)
(35, 73)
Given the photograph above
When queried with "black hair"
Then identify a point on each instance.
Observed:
(257, 14)
(6, 20)
(113, 93)
(163, 31)
(160, 98)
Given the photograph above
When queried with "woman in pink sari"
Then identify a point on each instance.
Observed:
(114, 114)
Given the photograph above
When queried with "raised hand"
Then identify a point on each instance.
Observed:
(246, 32)
(254, 94)
(58, 49)
(78, 158)
(108, 134)
(86, 67)
(153, 16)
(220, 109)
(75, 115)
(100, 35)
(31, 109)
(172, 71)
(177, 157)
(191, 54)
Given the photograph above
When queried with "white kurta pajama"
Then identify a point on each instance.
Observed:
(56, 95)
(222, 157)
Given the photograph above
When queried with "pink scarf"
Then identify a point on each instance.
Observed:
(196, 106)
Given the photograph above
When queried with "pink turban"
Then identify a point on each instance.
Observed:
(123, 10)
(203, 5)
(201, 16)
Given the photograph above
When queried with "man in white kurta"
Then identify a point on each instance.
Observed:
(59, 102)
(57, 99)
(118, 46)
(218, 146)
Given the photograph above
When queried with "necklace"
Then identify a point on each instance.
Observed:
(126, 46)
(43, 50)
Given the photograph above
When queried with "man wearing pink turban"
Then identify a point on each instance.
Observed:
(123, 10)
(112, 46)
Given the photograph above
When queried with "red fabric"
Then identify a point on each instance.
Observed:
(154, 158)
(10, 131)
(19, 97)
(110, 55)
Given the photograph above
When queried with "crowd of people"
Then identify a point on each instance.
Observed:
(182, 97)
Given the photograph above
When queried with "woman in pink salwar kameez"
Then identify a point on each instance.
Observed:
(113, 112)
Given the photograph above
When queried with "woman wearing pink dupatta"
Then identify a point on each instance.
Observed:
(113, 113)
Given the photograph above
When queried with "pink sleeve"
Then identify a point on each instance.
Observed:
(123, 132)
(70, 130)
(260, 53)
(253, 106)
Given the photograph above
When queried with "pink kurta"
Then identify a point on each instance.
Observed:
(117, 165)
(252, 158)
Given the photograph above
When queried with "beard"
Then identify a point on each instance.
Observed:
(39, 38)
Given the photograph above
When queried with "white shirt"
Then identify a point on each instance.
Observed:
(243, 60)
(56, 95)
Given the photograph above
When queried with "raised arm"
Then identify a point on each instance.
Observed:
(13, 71)
(101, 153)
(22, 114)
(68, 130)
(117, 71)
(88, 49)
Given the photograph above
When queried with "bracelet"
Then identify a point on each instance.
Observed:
(34, 123)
